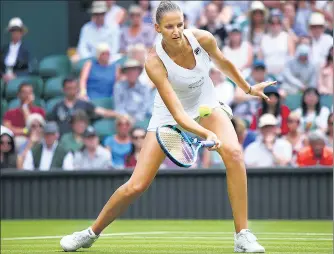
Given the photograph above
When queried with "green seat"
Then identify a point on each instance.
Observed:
(12, 86)
(52, 102)
(16, 103)
(77, 67)
(4, 107)
(293, 101)
(105, 127)
(107, 103)
(54, 87)
(143, 124)
(54, 65)
(2, 89)
(326, 100)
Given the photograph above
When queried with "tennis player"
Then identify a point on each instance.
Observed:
(179, 67)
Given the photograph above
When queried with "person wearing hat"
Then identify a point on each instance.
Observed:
(98, 75)
(277, 46)
(321, 42)
(131, 97)
(239, 51)
(92, 155)
(275, 107)
(49, 154)
(15, 56)
(97, 31)
(137, 31)
(299, 73)
(268, 150)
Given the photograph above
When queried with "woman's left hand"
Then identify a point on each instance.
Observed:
(257, 90)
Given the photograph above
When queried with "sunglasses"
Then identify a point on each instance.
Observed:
(138, 137)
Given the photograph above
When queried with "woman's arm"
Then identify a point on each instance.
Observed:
(249, 56)
(84, 77)
(291, 46)
(157, 73)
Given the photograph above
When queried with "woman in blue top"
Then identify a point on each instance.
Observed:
(120, 144)
(98, 76)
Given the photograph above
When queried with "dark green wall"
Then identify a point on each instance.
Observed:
(47, 22)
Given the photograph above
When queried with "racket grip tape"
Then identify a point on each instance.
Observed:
(208, 143)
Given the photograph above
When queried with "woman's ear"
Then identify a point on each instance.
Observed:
(157, 28)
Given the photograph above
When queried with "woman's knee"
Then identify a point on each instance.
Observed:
(233, 152)
(133, 188)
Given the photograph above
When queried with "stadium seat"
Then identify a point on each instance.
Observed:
(105, 127)
(54, 65)
(53, 87)
(143, 124)
(293, 101)
(52, 102)
(104, 103)
(3, 108)
(12, 86)
(16, 103)
(327, 100)
(2, 89)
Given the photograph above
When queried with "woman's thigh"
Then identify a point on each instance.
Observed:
(150, 158)
(219, 123)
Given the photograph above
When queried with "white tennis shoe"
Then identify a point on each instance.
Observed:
(246, 241)
(82, 239)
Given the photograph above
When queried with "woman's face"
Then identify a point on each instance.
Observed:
(171, 27)
(104, 57)
(258, 16)
(289, 11)
(136, 18)
(123, 127)
(273, 100)
(138, 137)
(79, 127)
(144, 4)
(311, 98)
(6, 144)
(235, 38)
(293, 123)
(36, 126)
(275, 25)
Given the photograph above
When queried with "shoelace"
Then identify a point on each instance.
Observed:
(250, 237)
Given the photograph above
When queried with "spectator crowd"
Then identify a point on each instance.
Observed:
(96, 117)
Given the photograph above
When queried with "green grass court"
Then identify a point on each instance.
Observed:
(160, 237)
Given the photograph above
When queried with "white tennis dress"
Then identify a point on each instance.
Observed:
(192, 87)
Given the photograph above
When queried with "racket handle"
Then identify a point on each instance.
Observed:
(208, 143)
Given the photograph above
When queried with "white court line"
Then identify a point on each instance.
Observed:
(183, 232)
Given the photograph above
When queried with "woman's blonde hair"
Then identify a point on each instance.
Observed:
(102, 47)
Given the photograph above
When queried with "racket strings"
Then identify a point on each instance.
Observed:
(177, 146)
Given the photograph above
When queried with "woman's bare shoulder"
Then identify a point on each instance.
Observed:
(153, 61)
(204, 37)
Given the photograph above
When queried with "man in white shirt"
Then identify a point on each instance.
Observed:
(268, 150)
(97, 31)
(49, 155)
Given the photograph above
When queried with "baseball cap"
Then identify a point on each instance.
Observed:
(271, 89)
(51, 127)
(259, 64)
(267, 120)
(89, 132)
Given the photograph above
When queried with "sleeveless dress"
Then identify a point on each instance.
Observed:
(193, 87)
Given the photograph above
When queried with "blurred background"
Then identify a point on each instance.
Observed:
(76, 101)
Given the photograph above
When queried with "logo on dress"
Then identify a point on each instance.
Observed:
(197, 50)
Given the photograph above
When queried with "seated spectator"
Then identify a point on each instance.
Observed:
(245, 136)
(119, 144)
(295, 137)
(98, 76)
(275, 107)
(276, 46)
(137, 31)
(116, 14)
(299, 73)
(245, 105)
(48, 155)
(224, 88)
(238, 51)
(268, 150)
(137, 139)
(64, 110)
(329, 133)
(35, 125)
(15, 57)
(289, 20)
(73, 141)
(130, 96)
(317, 153)
(211, 23)
(257, 19)
(15, 119)
(8, 156)
(326, 77)
(313, 115)
(321, 42)
(97, 31)
(92, 155)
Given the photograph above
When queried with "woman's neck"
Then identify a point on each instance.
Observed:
(122, 138)
(293, 133)
(235, 45)
(174, 50)
(310, 109)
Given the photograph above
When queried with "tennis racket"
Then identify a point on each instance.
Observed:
(179, 147)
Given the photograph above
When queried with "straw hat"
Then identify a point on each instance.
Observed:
(258, 6)
(99, 7)
(16, 23)
(317, 19)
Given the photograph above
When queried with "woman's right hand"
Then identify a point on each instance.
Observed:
(84, 97)
(213, 137)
